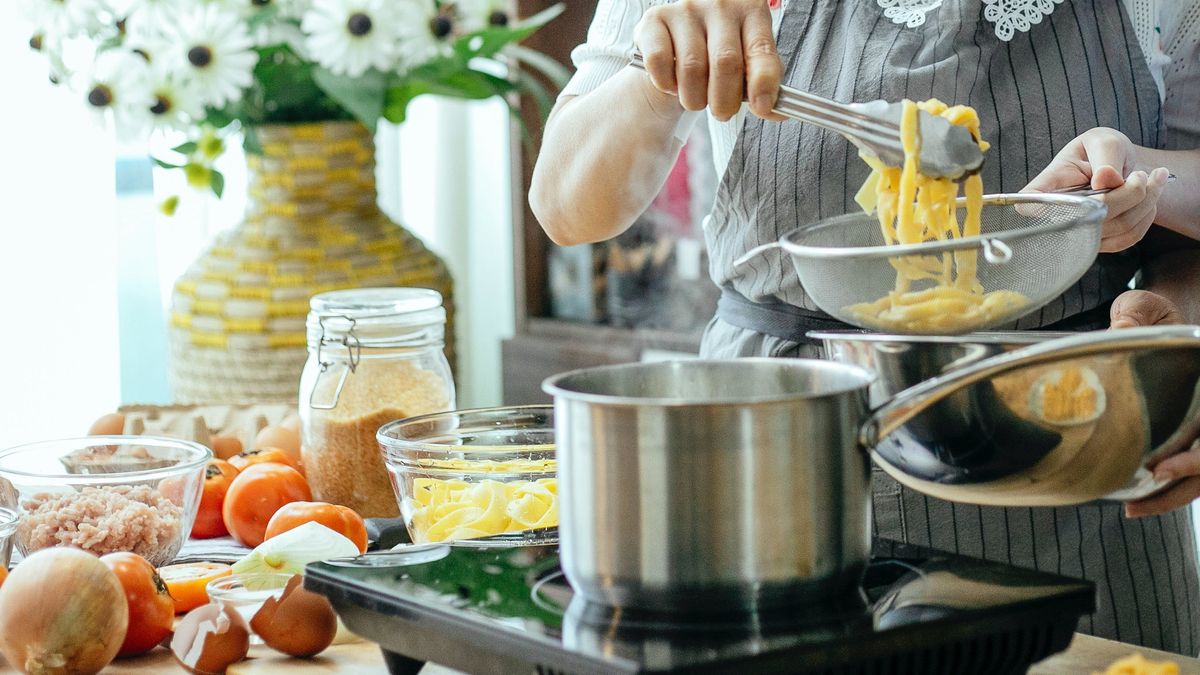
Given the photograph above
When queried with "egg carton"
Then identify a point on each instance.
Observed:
(200, 423)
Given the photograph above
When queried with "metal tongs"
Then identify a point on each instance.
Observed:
(947, 150)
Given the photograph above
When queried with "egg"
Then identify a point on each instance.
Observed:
(292, 421)
(225, 447)
(300, 623)
(279, 437)
(110, 425)
(210, 639)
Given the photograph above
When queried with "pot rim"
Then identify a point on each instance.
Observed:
(556, 385)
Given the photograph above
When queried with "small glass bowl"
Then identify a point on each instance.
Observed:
(9, 520)
(246, 593)
(133, 493)
(488, 475)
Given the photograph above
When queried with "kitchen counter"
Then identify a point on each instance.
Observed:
(1085, 656)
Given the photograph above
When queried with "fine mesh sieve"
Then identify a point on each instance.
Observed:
(1036, 245)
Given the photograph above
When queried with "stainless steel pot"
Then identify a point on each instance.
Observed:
(990, 441)
(724, 485)
(711, 485)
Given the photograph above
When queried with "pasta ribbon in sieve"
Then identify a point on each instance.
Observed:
(914, 208)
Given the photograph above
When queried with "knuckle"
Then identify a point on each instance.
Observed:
(727, 61)
(761, 45)
(693, 65)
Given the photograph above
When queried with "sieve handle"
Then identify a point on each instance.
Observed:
(995, 251)
(754, 253)
(1086, 190)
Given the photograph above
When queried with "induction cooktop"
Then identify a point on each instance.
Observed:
(510, 610)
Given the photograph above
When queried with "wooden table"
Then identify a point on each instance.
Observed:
(1085, 656)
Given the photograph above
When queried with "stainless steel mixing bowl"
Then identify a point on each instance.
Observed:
(990, 441)
(712, 485)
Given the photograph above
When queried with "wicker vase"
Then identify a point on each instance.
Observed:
(311, 225)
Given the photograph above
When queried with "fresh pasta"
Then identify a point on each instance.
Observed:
(1136, 664)
(913, 208)
(451, 509)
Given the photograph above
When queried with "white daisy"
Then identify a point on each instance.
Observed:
(71, 17)
(176, 101)
(115, 88)
(427, 32)
(351, 36)
(211, 45)
(480, 14)
(146, 19)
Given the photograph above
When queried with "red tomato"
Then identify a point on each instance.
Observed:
(256, 494)
(340, 519)
(218, 475)
(261, 456)
(151, 609)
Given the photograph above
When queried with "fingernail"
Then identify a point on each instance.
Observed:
(1161, 175)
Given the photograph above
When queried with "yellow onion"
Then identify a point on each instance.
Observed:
(62, 610)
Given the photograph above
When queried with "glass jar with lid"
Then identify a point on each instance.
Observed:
(374, 355)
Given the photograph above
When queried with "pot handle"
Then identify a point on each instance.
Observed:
(754, 253)
(906, 405)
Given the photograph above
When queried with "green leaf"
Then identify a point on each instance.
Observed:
(218, 183)
(166, 165)
(250, 142)
(529, 84)
(186, 148)
(464, 84)
(363, 96)
(263, 16)
(556, 72)
(219, 118)
(489, 41)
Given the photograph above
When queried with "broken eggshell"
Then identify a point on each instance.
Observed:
(210, 639)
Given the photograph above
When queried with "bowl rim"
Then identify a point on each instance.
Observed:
(202, 454)
(218, 583)
(389, 442)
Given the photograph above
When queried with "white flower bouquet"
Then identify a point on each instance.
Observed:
(212, 67)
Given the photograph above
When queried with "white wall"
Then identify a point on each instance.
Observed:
(58, 313)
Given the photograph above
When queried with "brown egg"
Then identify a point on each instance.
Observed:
(292, 422)
(112, 424)
(224, 447)
(300, 623)
(279, 437)
(210, 639)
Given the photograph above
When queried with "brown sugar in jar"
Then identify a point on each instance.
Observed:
(375, 356)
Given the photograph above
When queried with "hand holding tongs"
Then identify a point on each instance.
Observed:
(947, 150)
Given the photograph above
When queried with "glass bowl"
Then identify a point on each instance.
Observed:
(104, 494)
(8, 527)
(246, 593)
(487, 475)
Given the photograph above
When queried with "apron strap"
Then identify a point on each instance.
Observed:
(774, 318)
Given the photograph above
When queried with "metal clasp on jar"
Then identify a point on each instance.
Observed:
(353, 348)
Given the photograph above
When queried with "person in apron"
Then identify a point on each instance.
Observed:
(1061, 94)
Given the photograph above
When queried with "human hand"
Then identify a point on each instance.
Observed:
(714, 54)
(1184, 467)
(1143, 308)
(1106, 158)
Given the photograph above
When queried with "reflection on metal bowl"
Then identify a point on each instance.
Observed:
(1058, 430)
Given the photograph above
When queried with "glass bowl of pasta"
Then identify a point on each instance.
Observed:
(1022, 251)
(487, 475)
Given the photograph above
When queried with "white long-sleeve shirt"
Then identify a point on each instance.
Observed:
(1167, 30)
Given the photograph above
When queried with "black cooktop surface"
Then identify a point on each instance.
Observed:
(489, 610)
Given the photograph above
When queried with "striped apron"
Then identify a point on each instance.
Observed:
(1080, 68)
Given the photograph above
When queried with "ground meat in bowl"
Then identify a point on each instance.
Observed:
(103, 520)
